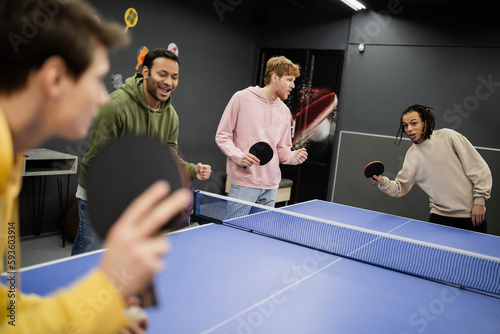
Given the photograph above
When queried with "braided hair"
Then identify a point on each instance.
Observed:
(425, 115)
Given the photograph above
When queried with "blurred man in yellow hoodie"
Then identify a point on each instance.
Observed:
(54, 55)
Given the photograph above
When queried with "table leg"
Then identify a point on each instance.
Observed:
(63, 205)
(38, 209)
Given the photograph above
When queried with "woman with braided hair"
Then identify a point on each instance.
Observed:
(446, 166)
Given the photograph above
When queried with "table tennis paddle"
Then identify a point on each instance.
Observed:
(374, 168)
(263, 151)
(121, 172)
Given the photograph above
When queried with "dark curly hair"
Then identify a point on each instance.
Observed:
(158, 53)
(425, 115)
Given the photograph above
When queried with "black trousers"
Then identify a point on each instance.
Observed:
(463, 223)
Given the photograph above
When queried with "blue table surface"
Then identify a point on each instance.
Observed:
(220, 279)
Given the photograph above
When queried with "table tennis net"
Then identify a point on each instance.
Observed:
(439, 263)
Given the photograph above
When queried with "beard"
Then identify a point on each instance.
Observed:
(153, 88)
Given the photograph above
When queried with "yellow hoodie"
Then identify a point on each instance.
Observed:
(63, 312)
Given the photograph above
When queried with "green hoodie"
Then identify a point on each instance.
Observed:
(127, 113)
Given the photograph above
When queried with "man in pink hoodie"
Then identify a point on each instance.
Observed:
(254, 115)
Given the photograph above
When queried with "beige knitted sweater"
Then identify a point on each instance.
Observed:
(449, 169)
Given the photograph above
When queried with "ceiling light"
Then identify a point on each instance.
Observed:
(354, 4)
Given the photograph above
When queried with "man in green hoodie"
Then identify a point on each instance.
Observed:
(142, 106)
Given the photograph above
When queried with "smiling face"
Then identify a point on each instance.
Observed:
(413, 126)
(160, 81)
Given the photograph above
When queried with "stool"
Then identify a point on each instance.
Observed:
(284, 190)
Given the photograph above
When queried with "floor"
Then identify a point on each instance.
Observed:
(43, 248)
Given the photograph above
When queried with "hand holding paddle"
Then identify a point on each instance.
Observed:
(263, 151)
(249, 160)
(373, 171)
(259, 154)
(377, 179)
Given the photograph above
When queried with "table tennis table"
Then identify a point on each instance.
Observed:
(222, 279)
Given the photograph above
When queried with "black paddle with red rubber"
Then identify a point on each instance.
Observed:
(263, 151)
(374, 168)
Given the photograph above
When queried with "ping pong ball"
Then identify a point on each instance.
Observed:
(136, 313)
(321, 132)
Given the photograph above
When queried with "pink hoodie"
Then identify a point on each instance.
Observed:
(250, 118)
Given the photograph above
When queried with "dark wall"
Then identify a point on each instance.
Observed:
(450, 64)
(431, 64)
